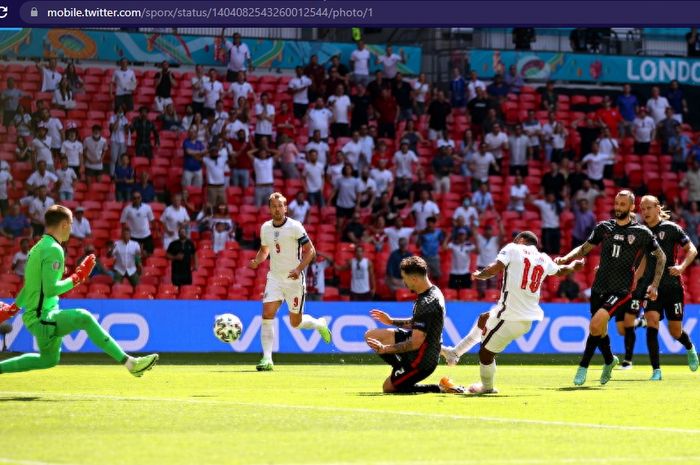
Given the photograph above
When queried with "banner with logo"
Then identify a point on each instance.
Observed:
(187, 326)
(154, 47)
(587, 68)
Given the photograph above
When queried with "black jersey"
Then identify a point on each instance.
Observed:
(429, 317)
(670, 237)
(623, 247)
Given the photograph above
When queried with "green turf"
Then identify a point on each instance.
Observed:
(334, 414)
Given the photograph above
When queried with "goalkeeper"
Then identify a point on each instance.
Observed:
(39, 299)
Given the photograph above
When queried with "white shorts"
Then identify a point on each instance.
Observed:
(499, 333)
(291, 291)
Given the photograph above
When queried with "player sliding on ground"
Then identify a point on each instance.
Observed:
(413, 349)
(670, 237)
(39, 299)
(624, 241)
(524, 269)
(290, 250)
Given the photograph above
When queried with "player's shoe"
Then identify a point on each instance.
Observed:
(265, 364)
(607, 370)
(143, 364)
(625, 365)
(324, 331)
(580, 377)
(450, 356)
(478, 389)
(693, 359)
(656, 375)
(447, 386)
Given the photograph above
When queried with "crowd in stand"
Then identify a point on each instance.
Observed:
(381, 148)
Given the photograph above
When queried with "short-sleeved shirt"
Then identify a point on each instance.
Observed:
(627, 105)
(423, 211)
(239, 90)
(404, 163)
(125, 81)
(300, 88)
(264, 127)
(361, 60)
(461, 258)
(670, 237)
(643, 128)
(390, 64)
(182, 267)
(238, 54)
(125, 257)
(11, 97)
(5, 180)
(37, 179)
(348, 190)
(67, 177)
(285, 243)
(623, 247)
(72, 151)
(524, 264)
(428, 317)
(138, 219)
(341, 108)
(94, 152)
(320, 120)
(80, 229)
(38, 207)
(430, 242)
(50, 80)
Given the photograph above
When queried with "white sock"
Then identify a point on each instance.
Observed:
(267, 337)
(469, 341)
(488, 372)
(309, 322)
(130, 361)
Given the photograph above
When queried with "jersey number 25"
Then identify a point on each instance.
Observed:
(535, 279)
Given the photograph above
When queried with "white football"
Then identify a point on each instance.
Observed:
(227, 327)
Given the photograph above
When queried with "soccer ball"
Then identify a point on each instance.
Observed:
(227, 327)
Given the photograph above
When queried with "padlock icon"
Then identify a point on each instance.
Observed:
(34, 12)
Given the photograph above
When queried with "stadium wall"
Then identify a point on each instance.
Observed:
(186, 326)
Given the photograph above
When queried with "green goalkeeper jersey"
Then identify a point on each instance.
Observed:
(42, 281)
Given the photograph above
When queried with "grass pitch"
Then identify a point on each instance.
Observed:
(207, 414)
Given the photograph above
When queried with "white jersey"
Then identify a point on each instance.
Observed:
(359, 276)
(526, 268)
(285, 243)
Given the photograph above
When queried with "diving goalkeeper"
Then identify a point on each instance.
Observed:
(39, 299)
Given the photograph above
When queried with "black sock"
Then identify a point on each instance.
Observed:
(604, 346)
(685, 340)
(420, 388)
(591, 345)
(630, 339)
(653, 347)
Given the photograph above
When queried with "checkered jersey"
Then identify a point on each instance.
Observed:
(670, 237)
(429, 317)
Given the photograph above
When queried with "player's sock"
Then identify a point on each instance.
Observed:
(685, 340)
(630, 340)
(129, 363)
(591, 346)
(468, 341)
(309, 322)
(653, 347)
(267, 337)
(605, 349)
(488, 372)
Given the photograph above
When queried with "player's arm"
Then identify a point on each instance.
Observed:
(579, 252)
(413, 343)
(652, 290)
(690, 253)
(308, 254)
(490, 271)
(260, 257)
(386, 319)
(576, 265)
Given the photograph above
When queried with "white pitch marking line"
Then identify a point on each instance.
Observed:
(562, 461)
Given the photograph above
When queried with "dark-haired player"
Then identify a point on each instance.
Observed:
(624, 242)
(413, 349)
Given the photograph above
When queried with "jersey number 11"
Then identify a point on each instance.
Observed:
(535, 279)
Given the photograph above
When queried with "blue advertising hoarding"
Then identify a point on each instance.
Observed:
(186, 326)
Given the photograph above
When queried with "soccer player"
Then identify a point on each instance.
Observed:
(413, 349)
(290, 250)
(524, 268)
(623, 241)
(39, 299)
(670, 237)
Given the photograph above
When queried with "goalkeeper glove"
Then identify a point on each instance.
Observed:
(82, 272)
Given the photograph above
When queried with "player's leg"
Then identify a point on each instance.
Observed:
(629, 317)
(653, 315)
(267, 330)
(48, 356)
(597, 336)
(473, 337)
(674, 307)
(71, 320)
(295, 295)
(600, 323)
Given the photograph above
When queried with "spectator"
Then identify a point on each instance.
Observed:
(331, 84)
(38, 115)
(122, 86)
(194, 153)
(460, 277)
(498, 90)
(578, 40)
(390, 62)
(14, 224)
(549, 97)
(423, 209)
(182, 254)
(458, 89)
(643, 131)
(468, 147)
(341, 106)
(299, 88)
(584, 222)
(554, 181)
(352, 150)
(554, 136)
(41, 177)
(265, 117)
(319, 146)
(514, 80)
(10, 102)
(518, 193)
(419, 185)
(609, 116)
(360, 108)
(217, 164)
(467, 213)
(522, 37)
(317, 74)
(19, 260)
(443, 165)
(481, 163)
(24, 152)
(487, 246)
(313, 178)
(37, 209)
(145, 188)
(429, 241)
(404, 98)
(299, 207)
(100, 268)
(63, 96)
(568, 288)
(239, 58)
(595, 165)
(127, 255)
(401, 196)
(519, 143)
(54, 130)
(367, 144)
(343, 70)
(213, 91)
(199, 82)
(362, 280)
(693, 42)
(421, 90)
(676, 99)
(66, 177)
(482, 198)
(444, 140)
(656, 105)
(50, 75)
(550, 209)
(691, 181)
(42, 148)
(628, 106)
(368, 189)
(74, 82)
(666, 128)
(335, 170)
(404, 159)
(5, 182)
(137, 220)
(22, 121)
(383, 177)
(80, 229)
(316, 277)
(393, 268)
(319, 119)
(679, 148)
(144, 128)
(220, 236)
(387, 111)
(438, 111)
(397, 232)
(587, 192)
(169, 119)
(692, 222)
(353, 230)
(119, 133)
(164, 84)
(589, 132)
(533, 130)
(346, 192)
(491, 120)
(575, 177)
(263, 160)
(359, 62)
(608, 146)
(221, 215)
(174, 218)
(288, 156)
(473, 85)
(411, 135)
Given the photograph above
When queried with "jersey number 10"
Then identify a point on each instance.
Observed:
(535, 279)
